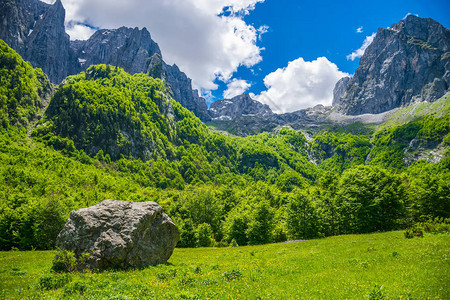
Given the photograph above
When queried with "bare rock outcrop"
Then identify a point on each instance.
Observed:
(406, 63)
(241, 105)
(36, 31)
(120, 234)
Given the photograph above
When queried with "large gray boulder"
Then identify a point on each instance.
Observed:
(120, 234)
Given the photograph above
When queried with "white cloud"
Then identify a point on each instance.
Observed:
(358, 53)
(207, 39)
(300, 85)
(236, 87)
(408, 14)
(79, 32)
(360, 29)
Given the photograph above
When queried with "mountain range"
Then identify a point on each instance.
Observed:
(36, 31)
(406, 63)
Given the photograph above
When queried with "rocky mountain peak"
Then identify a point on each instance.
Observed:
(425, 29)
(128, 48)
(406, 63)
(242, 105)
(36, 31)
(19, 17)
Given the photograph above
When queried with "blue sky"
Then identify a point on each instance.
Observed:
(289, 54)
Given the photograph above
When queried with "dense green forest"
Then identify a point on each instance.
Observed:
(108, 134)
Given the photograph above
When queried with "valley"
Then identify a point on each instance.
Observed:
(343, 201)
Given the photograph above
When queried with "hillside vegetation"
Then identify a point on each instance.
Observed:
(22, 88)
(108, 134)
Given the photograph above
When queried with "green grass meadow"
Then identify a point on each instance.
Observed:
(372, 266)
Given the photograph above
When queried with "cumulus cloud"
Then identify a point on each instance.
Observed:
(236, 87)
(79, 31)
(207, 39)
(358, 53)
(300, 85)
(408, 14)
(360, 29)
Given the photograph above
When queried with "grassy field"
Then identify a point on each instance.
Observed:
(410, 113)
(373, 266)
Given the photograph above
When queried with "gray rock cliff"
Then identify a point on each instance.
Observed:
(36, 31)
(120, 234)
(124, 47)
(17, 19)
(181, 89)
(406, 63)
(339, 90)
(242, 105)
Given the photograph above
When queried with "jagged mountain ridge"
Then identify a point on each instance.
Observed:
(228, 109)
(36, 31)
(125, 47)
(407, 63)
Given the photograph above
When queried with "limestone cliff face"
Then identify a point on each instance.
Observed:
(124, 47)
(36, 31)
(181, 90)
(18, 18)
(339, 90)
(406, 63)
(242, 105)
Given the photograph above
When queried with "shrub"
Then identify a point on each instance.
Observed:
(66, 261)
(204, 235)
(53, 282)
(232, 275)
(409, 234)
(221, 244)
(167, 275)
(415, 231)
(438, 225)
(377, 293)
(76, 287)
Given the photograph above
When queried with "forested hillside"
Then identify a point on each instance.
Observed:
(22, 88)
(108, 134)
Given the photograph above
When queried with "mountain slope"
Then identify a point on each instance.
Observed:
(106, 108)
(406, 63)
(23, 90)
(36, 31)
(136, 52)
